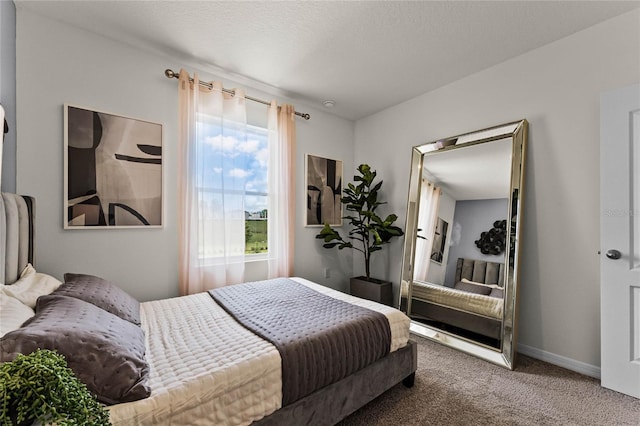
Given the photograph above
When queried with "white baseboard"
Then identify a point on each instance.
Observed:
(559, 360)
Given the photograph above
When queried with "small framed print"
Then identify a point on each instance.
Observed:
(324, 191)
(112, 171)
(439, 240)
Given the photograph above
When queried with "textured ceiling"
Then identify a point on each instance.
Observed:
(366, 56)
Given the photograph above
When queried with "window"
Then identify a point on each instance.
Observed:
(235, 183)
(233, 189)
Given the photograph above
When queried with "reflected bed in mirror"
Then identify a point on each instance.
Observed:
(460, 263)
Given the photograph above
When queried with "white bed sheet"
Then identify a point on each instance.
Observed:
(207, 369)
(478, 304)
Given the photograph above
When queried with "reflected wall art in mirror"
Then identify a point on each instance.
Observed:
(460, 273)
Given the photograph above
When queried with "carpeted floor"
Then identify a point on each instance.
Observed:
(453, 388)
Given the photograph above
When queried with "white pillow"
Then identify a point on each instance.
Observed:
(464, 280)
(13, 313)
(30, 286)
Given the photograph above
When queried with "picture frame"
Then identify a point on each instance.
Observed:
(439, 240)
(113, 173)
(323, 187)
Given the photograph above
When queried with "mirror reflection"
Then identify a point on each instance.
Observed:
(458, 279)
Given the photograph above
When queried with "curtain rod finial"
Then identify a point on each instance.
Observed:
(170, 74)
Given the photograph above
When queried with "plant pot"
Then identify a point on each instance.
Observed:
(372, 289)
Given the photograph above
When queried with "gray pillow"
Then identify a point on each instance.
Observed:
(104, 351)
(101, 293)
(473, 288)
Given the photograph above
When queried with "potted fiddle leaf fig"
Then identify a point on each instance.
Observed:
(368, 233)
(40, 388)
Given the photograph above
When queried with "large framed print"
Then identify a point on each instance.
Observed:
(112, 171)
(323, 191)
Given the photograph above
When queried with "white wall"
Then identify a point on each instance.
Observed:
(8, 93)
(556, 88)
(57, 63)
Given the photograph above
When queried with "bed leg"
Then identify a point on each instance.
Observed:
(409, 380)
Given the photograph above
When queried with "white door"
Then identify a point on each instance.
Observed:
(620, 239)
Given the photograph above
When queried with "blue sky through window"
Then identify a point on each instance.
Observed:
(234, 159)
(231, 163)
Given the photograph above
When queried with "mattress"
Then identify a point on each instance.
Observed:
(477, 304)
(222, 374)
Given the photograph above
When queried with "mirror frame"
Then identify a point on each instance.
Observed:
(517, 131)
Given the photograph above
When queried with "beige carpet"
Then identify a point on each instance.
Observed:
(453, 388)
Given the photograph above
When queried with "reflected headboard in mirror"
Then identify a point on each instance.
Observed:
(473, 183)
(17, 214)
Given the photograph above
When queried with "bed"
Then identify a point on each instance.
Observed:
(475, 303)
(189, 359)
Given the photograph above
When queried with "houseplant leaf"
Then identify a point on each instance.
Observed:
(368, 231)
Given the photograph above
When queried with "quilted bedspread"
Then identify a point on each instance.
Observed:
(207, 369)
(321, 340)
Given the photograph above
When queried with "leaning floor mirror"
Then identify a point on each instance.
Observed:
(460, 278)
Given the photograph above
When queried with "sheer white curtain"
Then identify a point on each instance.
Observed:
(213, 177)
(211, 187)
(282, 138)
(427, 219)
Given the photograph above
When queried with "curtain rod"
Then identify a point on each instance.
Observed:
(170, 74)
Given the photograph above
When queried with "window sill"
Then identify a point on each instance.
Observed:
(210, 261)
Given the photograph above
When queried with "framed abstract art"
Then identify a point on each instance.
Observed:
(112, 170)
(324, 191)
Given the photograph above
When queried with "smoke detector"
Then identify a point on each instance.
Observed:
(329, 104)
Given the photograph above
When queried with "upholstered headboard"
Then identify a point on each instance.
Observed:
(480, 271)
(17, 214)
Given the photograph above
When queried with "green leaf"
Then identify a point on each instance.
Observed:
(377, 187)
(377, 219)
(390, 219)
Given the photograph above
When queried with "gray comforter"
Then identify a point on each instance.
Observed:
(321, 339)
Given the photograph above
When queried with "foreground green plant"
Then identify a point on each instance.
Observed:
(41, 387)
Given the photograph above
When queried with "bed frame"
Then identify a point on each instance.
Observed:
(333, 403)
(326, 406)
(429, 311)
(473, 270)
(17, 215)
